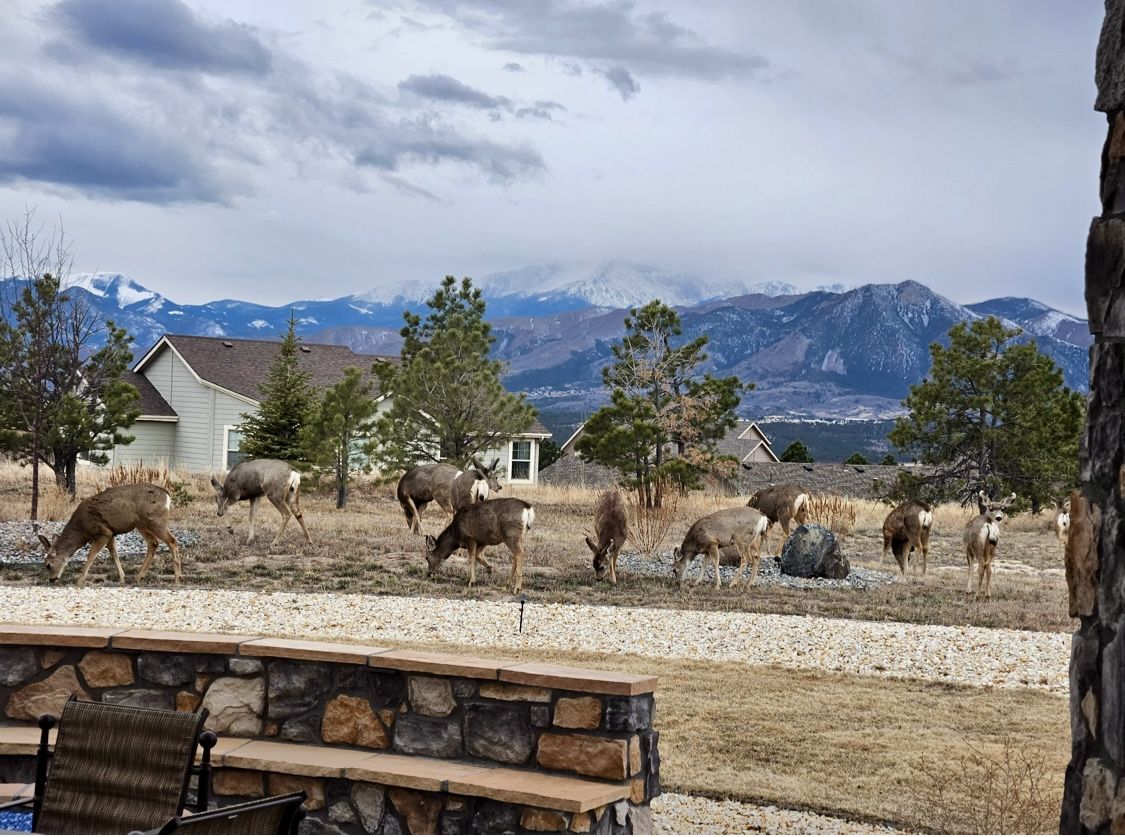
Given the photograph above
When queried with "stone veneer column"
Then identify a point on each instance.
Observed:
(1094, 794)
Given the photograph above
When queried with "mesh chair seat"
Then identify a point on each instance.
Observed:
(117, 769)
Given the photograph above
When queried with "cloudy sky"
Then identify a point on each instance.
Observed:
(254, 149)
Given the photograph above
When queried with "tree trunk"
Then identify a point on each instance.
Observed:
(1094, 793)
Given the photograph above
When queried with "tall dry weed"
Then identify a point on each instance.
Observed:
(836, 514)
(1015, 791)
(138, 472)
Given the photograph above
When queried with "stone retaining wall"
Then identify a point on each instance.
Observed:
(593, 725)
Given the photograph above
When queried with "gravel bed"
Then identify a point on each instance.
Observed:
(769, 573)
(19, 544)
(962, 655)
(675, 813)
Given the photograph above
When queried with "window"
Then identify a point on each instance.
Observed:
(232, 454)
(519, 462)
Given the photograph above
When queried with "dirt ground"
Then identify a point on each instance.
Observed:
(367, 547)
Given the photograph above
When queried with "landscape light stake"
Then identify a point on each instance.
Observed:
(523, 604)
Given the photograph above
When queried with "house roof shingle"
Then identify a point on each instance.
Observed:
(241, 365)
(151, 402)
(740, 443)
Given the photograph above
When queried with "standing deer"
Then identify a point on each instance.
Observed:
(982, 534)
(906, 530)
(782, 504)
(115, 511)
(612, 529)
(741, 527)
(1062, 520)
(484, 524)
(254, 479)
(444, 484)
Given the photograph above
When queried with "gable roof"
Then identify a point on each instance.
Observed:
(743, 439)
(240, 366)
(151, 403)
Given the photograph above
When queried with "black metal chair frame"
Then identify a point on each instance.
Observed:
(207, 740)
(291, 816)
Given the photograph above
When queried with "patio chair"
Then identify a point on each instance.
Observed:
(276, 815)
(116, 769)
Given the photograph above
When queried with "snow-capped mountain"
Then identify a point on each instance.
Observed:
(829, 352)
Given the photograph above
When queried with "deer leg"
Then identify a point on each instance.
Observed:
(151, 541)
(969, 561)
(412, 515)
(925, 555)
(516, 581)
(472, 563)
(95, 548)
(756, 557)
(713, 554)
(613, 567)
(295, 507)
(173, 547)
(112, 544)
(283, 510)
(253, 508)
(741, 565)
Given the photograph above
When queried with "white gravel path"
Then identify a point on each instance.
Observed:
(963, 655)
(675, 813)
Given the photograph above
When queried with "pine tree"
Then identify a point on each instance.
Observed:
(796, 452)
(274, 431)
(663, 420)
(992, 414)
(857, 458)
(339, 436)
(448, 403)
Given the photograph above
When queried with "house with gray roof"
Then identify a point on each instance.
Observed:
(194, 391)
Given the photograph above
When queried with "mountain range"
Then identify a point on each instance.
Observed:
(831, 353)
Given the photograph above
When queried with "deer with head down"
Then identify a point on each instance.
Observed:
(782, 504)
(490, 523)
(611, 527)
(982, 535)
(254, 479)
(907, 530)
(447, 485)
(741, 527)
(115, 511)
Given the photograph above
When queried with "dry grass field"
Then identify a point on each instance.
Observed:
(915, 754)
(367, 548)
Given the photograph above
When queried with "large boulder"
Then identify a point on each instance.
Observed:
(813, 552)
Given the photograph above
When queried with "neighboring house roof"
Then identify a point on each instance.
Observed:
(570, 470)
(743, 439)
(568, 445)
(240, 366)
(151, 404)
(537, 430)
(866, 482)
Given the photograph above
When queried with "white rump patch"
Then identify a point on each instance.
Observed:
(1063, 521)
(167, 501)
(294, 480)
(763, 525)
(800, 501)
(925, 519)
(479, 491)
(992, 533)
(459, 473)
(528, 517)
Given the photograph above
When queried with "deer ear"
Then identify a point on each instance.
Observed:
(495, 462)
(982, 495)
(46, 543)
(612, 545)
(430, 543)
(590, 543)
(215, 484)
(475, 463)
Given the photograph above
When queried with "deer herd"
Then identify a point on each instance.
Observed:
(479, 520)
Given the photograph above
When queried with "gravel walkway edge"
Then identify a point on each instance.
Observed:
(982, 657)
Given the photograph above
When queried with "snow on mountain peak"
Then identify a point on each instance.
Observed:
(116, 287)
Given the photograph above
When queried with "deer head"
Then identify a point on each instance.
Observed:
(221, 497)
(55, 559)
(489, 473)
(994, 509)
(601, 557)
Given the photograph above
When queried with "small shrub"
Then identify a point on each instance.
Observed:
(836, 514)
(648, 528)
(1016, 791)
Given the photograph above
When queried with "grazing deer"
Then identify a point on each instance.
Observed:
(782, 504)
(254, 479)
(484, 524)
(741, 527)
(906, 530)
(612, 529)
(1062, 520)
(115, 511)
(982, 534)
(444, 484)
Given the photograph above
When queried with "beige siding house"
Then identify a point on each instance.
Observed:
(194, 391)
